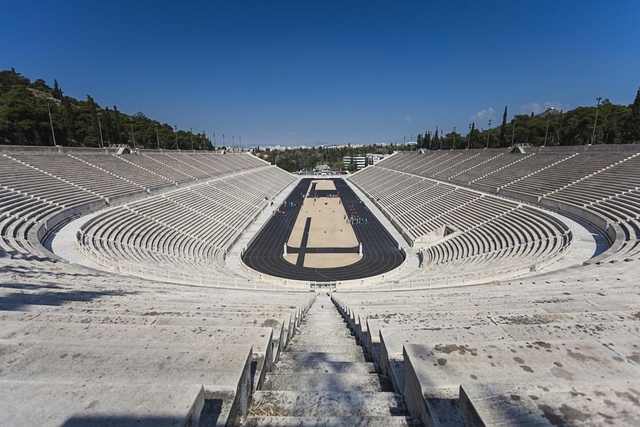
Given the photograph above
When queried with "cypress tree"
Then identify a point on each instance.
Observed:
(57, 91)
(94, 119)
(503, 130)
(117, 136)
(634, 120)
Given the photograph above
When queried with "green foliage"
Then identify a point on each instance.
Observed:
(503, 130)
(24, 119)
(617, 124)
(633, 124)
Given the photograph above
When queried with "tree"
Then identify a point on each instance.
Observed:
(633, 123)
(503, 130)
(427, 140)
(69, 119)
(435, 141)
(95, 126)
(117, 120)
(57, 91)
(471, 131)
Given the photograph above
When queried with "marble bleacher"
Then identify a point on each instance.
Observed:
(41, 189)
(486, 234)
(561, 349)
(597, 181)
(82, 346)
(187, 230)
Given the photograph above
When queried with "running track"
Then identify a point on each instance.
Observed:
(380, 250)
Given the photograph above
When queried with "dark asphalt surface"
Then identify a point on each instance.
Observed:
(380, 250)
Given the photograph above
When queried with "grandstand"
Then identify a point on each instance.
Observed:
(507, 297)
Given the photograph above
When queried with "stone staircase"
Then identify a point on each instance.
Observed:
(323, 379)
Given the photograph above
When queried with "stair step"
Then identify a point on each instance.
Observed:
(316, 348)
(327, 421)
(326, 403)
(310, 366)
(320, 355)
(322, 382)
(308, 340)
(342, 332)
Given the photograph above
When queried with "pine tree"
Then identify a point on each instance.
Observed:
(503, 130)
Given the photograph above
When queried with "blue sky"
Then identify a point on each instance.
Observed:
(303, 72)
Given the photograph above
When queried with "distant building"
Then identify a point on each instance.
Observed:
(549, 111)
(360, 161)
(373, 159)
(364, 161)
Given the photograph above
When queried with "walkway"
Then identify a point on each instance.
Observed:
(323, 379)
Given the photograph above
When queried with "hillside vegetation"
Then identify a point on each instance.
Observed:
(24, 120)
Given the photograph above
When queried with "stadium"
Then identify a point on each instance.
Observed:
(440, 288)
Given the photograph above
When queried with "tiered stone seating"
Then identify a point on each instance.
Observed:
(596, 182)
(613, 180)
(89, 347)
(556, 347)
(22, 178)
(40, 189)
(520, 170)
(473, 160)
(489, 233)
(187, 230)
(561, 174)
(80, 174)
(490, 167)
(129, 171)
(163, 166)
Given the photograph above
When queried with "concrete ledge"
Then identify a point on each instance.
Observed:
(550, 404)
(27, 404)
(131, 364)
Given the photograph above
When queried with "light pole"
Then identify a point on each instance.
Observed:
(53, 134)
(233, 140)
(546, 133)
(488, 133)
(513, 133)
(100, 128)
(595, 123)
(191, 131)
(469, 141)
(175, 132)
(157, 137)
(223, 140)
(133, 137)
(240, 141)
(214, 140)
